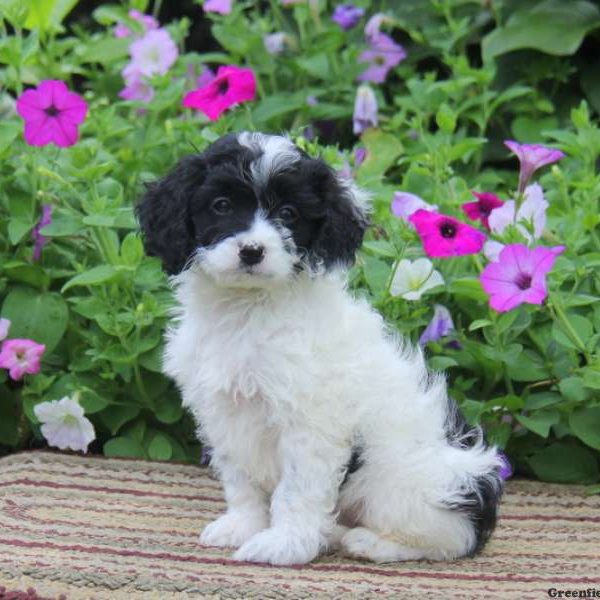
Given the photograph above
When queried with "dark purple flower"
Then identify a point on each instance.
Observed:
(440, 325)
(506, 469)
(39, 239)
(383, 55)
(347, 16)
(360, 154)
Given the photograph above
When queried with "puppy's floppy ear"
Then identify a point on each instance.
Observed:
(345, 219)
(163, 213)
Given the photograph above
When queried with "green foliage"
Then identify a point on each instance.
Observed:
(476, 74)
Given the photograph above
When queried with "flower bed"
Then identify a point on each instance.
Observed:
(483, 249)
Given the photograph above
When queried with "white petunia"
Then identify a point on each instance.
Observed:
(413, 278)
(532, 212)
(4, 327)
(64, 424)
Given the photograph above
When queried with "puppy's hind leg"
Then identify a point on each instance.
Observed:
(361, 542)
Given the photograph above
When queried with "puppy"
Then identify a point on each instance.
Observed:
(327, 430)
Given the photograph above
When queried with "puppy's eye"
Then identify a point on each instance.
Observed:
(221, 206)
(287, 215)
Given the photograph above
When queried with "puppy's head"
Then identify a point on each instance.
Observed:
(251, 211)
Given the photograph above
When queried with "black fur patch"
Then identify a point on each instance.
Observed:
(176, 219)
(480, 504)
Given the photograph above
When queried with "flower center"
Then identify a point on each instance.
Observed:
(223, 86)
(52, 111)
(448, 229)
(485, 210)
(379, 60)
(523, 281)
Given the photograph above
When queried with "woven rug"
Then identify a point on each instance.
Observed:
(85, 527)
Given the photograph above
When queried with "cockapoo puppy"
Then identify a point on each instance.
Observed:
(327, 430)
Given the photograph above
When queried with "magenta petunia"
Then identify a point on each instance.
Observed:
(480, 210)
(382, 55)
(532, 157)
(38, 238)
(223, 7)
(232, 85)
(21, 356)
(518, 276)
(445, 236)
(52, 114)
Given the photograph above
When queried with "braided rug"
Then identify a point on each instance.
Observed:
(87, 527)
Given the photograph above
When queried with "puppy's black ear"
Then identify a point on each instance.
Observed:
(345, 219)
(163, 214)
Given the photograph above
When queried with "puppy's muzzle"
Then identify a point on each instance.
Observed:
(251, 254)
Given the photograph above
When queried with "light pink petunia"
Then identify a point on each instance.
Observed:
(373, 26)
(492, 249)
(365, 110)
(532, 157)
(519, 276)
(232, 85)
(64, 424)
(4, 327)
(52, 114)
(382, 55)
(136, 87)
(153, 54)
(445, 236)
(532, 212)
(223, 7)
(275, 42)
(21, 356)
(480, 210)
(405, 204)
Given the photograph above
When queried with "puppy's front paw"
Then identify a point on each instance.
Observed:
(278, 547)
(232, 529)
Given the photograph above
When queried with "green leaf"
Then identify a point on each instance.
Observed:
(554, 27)
(48, 14)
(105, 50)
(585, 424)
(124, 447)
(31, 274)
(377, 273)
(96, 276)
(564, 463)
(116, 415)
(62, 225)
(479, 324)
(168, 412)
(380, 248)
(41, 317)
(18, 228)
(582, 327)
(572, 388)
(441, 363)
(540, 421)
(160, 448)
(541, 400)
(132, 249)
(469, 288)
(382, 151)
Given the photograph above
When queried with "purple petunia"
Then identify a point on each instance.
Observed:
(382, 55)
(38, 238)
(365, 110)
(532, 157)
(440, 325)
(347, 16)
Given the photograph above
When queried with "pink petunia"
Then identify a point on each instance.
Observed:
(52, 114)
(21, 356)
(39, 239)
(532, 157)
(480, 210)
(136, 87)
(382, 55)
(445, 236)
(223, 7)
(232, 85)
(518, 276)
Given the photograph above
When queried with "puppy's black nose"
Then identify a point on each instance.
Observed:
(251, 255)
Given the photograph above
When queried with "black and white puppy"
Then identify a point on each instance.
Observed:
(327, 431)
